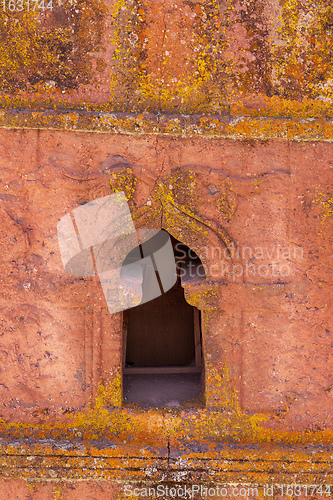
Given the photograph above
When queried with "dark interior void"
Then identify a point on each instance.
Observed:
(162, 364)
(161, 332)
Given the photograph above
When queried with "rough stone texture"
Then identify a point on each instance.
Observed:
(193, 99)
(95, 490)
(270, 325)
(36, 490)
(267, 339)
(257, 58)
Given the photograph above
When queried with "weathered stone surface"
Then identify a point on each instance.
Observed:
(191, 100)
(267, 204)
(257, 58)
(38, 490)
(259, 215)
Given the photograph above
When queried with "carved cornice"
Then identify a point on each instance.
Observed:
(136, 124)
(221, 463)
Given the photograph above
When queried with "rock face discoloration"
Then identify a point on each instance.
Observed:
(50, 47)
(173, 57)
(263, 233)
(215, 120)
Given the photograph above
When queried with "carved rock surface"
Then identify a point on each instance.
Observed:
(259, 215)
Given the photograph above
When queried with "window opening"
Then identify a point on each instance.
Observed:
(162, 363)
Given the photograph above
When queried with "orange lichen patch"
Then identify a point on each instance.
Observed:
(239, 463)
(266, 128)
(146, 444)
(307, 129)
(50, 48)
(263, 106)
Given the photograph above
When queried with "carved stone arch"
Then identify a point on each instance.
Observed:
(172, 201)
(163, 358)
(200, 216)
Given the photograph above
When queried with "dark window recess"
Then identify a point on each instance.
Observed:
(161, 332)
(163, 354)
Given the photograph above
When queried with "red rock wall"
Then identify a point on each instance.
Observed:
(241, 172)
(272, 329)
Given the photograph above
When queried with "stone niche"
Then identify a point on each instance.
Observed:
(258, 215)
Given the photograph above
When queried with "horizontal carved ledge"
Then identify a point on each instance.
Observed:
(224, 126)
(222, 462)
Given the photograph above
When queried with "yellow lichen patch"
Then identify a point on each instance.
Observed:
(175, 202)
(48, 49)
(226, 201)
(217, 426)
(228, 60)
(126, 24)
(219, 392)
(302, 60)
(224, 422)
(58, 491)
(202, 297)
(286, 57)
(325, 203)
(173, 198)
(123, 181)
(188, 86)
